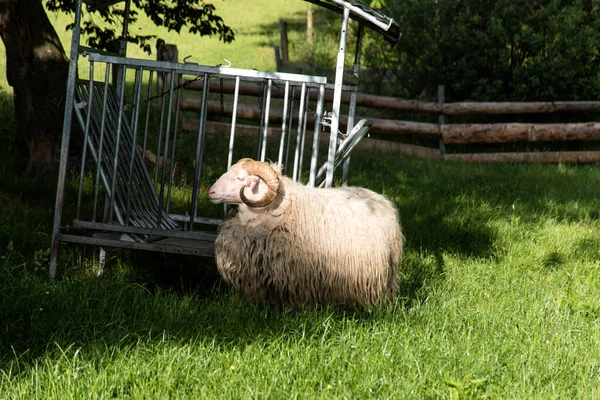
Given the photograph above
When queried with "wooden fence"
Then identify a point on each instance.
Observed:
(446, 134)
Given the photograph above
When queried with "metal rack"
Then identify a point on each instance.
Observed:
(121, 202)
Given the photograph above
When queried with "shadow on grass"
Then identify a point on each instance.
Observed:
(88, 312)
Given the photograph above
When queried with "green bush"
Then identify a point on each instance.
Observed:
(494, 50)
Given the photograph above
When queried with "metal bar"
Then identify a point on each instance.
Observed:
(316, 137)
(207, 252)
(199, 151)
(337, 99)
(132, 154)
(261, 104)
(101, 140)
(66, 137)
(149, 184)
(85, 139)
(218, 72)
(197, 220)
(77, 224)
(267, 108)
(349, 127)
(118, 140)
(236, 96)
(289, 131)
(284, 123)
(166, 151)
(343, 152)
(301, 115)
(352, 106)
(148, 95)
(383, 23)
(160, 131)
(174, 146)
(303, 139)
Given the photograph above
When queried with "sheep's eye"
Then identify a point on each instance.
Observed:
(238, 178)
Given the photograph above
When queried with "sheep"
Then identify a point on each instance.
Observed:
(291, 245)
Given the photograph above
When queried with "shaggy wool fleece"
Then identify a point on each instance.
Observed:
(311, 245)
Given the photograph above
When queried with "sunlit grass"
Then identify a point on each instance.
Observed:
(498, 299)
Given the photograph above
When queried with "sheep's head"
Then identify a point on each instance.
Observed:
(250, 182)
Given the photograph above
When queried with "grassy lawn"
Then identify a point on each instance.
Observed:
(499, 299)
(499, 290)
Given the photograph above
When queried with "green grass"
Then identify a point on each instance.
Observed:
(498, 299)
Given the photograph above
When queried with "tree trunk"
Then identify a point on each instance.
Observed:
(37, 69)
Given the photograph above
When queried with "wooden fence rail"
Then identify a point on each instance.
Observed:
(418, 106)
(447, 134)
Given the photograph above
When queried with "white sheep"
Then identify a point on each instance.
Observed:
(292, 245)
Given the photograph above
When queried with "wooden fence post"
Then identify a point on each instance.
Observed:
(283, 42)
(278, 65)
(169, 53)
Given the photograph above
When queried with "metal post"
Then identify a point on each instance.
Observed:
(115, 165)
(316, 137)
(66, 136)
(300, 138)
(267, 110)
(352, 108)
(284, 123)
(134, 124)
(236, 97)
(337, 99)
(199, 150)
(86, 134)
(163, 175)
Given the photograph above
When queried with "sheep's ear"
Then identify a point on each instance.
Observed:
(252, 182)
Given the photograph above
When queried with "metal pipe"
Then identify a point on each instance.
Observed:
(199, 151)
(301, 115)
(117, 145)
(101, 140)
(148, 95)
(289, 131)
(236, 96)
(352, 107)
(263, 152)
(166, 151)
(135, 117)
(173, 147)
(337, 99)
(85, 140)
(66, 137)
(261, 104)
(303, 139)
(286, 94)
(316, 137)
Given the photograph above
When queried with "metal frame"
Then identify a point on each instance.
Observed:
(130, 206)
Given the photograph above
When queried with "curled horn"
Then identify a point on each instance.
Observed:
(267, 174)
